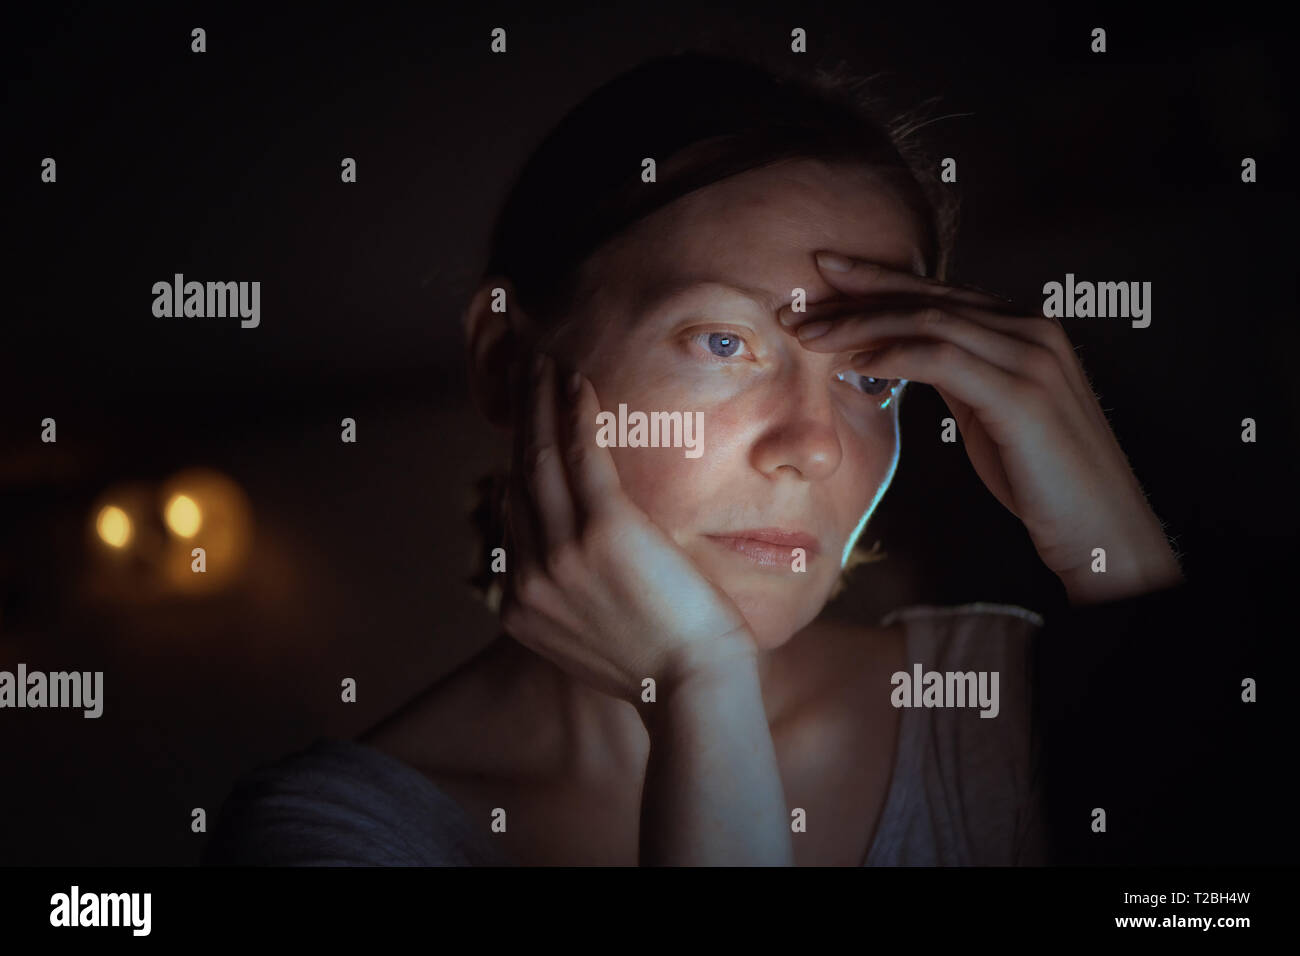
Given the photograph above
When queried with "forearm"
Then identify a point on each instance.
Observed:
(712, 793)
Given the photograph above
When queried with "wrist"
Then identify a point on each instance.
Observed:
(721, 669)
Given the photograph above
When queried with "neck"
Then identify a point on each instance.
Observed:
(784, 673)
(787, 673)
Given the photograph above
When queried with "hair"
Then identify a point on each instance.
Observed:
(703, 117)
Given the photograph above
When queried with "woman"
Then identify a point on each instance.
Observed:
(664, 690)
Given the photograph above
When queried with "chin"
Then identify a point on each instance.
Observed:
(773, 621)
(768, 638)
(775, 606)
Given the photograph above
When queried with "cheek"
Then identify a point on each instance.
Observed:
(661, 482)
(872, 458)
(684, 494)
(858, 501)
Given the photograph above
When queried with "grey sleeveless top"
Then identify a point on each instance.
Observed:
(965, 789)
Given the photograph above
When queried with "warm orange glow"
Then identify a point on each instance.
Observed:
(114, 526)
(203, 508)
(183, 516)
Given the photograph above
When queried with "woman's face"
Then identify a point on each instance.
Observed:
(793, 441)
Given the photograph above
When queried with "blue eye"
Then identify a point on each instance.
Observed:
(721, 344)
(872, 386)
(868, 385)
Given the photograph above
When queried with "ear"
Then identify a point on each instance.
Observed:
(499, 337)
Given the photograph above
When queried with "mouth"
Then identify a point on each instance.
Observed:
(767, 547)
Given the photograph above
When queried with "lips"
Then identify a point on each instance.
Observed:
(769, 547)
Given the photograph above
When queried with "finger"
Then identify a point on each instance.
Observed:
(1002, 401)
(1030, 327)
(1024, 346)
(1036, 328)
(977, 445)
(862, 277)
(869, 330)
(543, 467)
(593, 477)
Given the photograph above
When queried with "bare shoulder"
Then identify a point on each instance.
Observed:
(500, 732)
(481, 720)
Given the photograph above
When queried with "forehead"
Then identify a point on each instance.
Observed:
(759, 229)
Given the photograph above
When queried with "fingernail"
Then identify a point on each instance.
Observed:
(833, 262)
(575, 383)
(787, 317)
(812, 330)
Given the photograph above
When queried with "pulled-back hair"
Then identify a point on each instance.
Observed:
(702, 118)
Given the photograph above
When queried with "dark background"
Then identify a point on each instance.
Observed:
(225, 166)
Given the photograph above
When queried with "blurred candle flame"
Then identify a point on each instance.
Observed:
(114, 526)
(190, 534)
(184, 516)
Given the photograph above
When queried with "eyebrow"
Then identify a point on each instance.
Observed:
(763, 299)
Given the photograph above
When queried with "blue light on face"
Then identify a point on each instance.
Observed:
(880, 493)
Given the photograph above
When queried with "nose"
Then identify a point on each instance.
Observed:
(800, 439)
